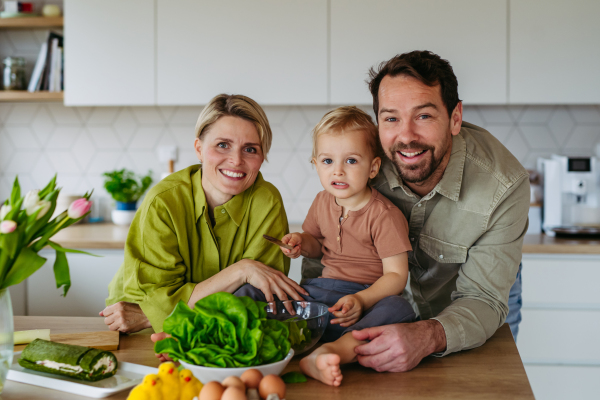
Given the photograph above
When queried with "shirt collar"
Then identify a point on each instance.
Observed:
(236, 207)
(450, 184)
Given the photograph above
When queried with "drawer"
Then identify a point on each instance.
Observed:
(562, 382)
(559, 336)
(568, 281)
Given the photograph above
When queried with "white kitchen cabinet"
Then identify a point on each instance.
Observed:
(470, 34)
(109, 52)
(554, 52)
(90, 277)
(561, 323)
(270, 50)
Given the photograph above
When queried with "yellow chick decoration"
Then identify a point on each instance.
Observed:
(190, 385)
(149, 389)
(168, 374)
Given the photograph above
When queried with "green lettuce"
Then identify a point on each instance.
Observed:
(224, 331)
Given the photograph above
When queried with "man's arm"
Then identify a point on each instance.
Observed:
(480, 303)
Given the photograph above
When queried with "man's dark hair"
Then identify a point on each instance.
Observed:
(425, 66)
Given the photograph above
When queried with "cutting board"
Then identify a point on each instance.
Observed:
(105, 340)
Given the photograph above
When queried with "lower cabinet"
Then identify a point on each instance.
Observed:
(561, 325)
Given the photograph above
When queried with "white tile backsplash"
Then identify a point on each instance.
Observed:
(39, 140)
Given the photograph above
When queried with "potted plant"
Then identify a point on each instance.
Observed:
(26, 226)
(126, 189)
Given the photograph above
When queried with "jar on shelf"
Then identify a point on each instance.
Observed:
(13, 77)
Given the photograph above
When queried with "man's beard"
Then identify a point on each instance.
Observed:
(421, 171)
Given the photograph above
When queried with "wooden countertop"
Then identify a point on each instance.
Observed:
(492, 371)
(109, 236)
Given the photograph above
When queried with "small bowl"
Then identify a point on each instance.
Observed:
(207, 374)
(315, 314)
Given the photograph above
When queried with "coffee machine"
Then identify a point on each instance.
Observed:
(571, 195)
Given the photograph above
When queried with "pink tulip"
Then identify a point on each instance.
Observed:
(78, 208)
(8, 226)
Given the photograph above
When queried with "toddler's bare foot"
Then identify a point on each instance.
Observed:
(324, 367)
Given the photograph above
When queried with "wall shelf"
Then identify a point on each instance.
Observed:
(23, 95)
(31, 22)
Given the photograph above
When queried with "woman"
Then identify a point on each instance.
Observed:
(199, 231)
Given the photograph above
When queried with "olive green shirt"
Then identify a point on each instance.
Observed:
(171, 245)
(466, 235)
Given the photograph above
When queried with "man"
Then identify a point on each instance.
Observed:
(466, 199)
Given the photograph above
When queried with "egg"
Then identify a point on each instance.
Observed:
(211, 391)
(234, 381)
(271, 384)
(251, 378)
(233, 393)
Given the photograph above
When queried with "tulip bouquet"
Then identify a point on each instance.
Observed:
(26, 227)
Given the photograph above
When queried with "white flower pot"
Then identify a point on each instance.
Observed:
(122, 217)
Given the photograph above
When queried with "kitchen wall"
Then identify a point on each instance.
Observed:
(39, 140)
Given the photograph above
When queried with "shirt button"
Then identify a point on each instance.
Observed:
(338, 238)
(412, 239)
(338, 226)
(419, 205)
(223, 211)
(441, 256)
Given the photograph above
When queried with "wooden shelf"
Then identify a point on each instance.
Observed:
(23, 95)
(31, 22)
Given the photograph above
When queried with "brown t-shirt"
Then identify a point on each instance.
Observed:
(353, 248)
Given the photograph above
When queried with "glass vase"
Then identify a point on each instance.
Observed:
(6, 335)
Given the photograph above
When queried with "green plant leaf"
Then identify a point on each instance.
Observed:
(124, 186)
(294, 377)
(61, 272)
(49, 188)
(26, 264)
(15, 194)
(58, 247)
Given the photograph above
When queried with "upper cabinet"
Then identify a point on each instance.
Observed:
(270, 50)
(109, 52)
(470, 34)
(554, 51)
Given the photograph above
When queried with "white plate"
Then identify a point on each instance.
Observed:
(128, 375)
(207, 374)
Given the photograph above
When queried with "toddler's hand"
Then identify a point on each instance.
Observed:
(293, 239)
(347, 310)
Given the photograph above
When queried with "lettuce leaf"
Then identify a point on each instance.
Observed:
(225, 331)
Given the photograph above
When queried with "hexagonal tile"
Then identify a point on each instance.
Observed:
(311, 188)
(185, 159)
(166, 139)
(277, 161)
(22, 137)
(147, 115)
(125, 162)
(43, 125)
(70, 184)
(183, 135)
(495, 115)
(22, 161)
(64, 162)
(103, 115)
(64, 137)
(104, 137)
(561, 124)
(6, 150)
(103, 161)
(280, 183)
(43, 171)
(83, 150)
(125, 125)
(585, 114)
(275, 114)
(298, 212)
(64, 115)
(4, 111)
(295, 126)
(536, 114)
(500, 132)
(25, 182)
(294, 173)
(538, 137)
(471, 114)
(516, 111)
(583, 137)
(5, 188)
(145, 161)
(530, 161)
(185, 116)
(84, 113)
(280, 140)
(313, 114)
(22, 114)
(145, 138)
(517, 146)
(167, 112)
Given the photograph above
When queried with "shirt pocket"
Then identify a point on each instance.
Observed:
(443, 252)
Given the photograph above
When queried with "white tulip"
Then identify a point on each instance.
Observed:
(44, 205)
(31, 202)
(4, 210)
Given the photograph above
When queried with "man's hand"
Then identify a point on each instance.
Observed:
(399, 347)
(347, 310)
(125, 317)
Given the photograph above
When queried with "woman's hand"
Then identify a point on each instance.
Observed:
(293, 239)
(125, 317)
(347, 310)
(270, 281)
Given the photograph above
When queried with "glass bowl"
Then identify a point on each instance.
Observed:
(306, 320)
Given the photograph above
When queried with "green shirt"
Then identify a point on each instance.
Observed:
(171, 245)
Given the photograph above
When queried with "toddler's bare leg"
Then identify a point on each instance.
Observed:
(323, 364)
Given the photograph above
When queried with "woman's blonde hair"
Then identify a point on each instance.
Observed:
(236, 105)
(345, 119)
